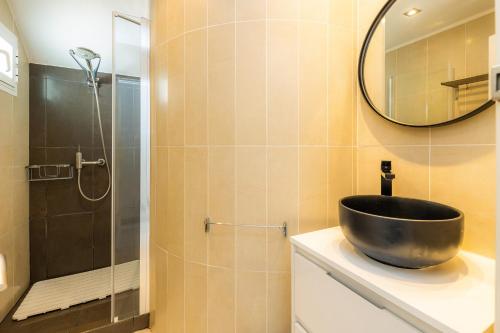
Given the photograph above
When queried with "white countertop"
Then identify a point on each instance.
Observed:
(457, 296)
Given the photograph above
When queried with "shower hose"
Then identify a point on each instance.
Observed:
(96, 94)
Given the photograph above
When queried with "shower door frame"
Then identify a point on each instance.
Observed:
(145, 163)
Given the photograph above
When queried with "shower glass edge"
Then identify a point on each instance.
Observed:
(130, 165)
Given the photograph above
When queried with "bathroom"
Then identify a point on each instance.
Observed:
(278, 166)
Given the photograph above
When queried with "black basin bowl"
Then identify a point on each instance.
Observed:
(402, 232)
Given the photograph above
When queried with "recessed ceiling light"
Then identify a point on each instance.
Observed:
(412, 12)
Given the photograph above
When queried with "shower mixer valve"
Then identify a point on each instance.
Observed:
(80, 162)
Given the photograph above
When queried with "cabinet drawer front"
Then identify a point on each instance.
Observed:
(324, 305)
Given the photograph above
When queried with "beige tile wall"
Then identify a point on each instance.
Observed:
(253, 112)
(453, 164)
(14, 193)
(257, 120)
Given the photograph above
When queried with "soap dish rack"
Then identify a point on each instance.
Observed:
(37, 173)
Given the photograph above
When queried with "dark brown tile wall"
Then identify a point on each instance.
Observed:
(67, 233)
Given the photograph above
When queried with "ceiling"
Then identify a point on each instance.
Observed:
(49, 28)
(436, 15)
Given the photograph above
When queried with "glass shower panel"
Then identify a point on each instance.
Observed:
(128, 162)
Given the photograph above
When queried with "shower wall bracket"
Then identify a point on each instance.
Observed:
(208, 223)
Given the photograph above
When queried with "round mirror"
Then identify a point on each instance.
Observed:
(426, 63)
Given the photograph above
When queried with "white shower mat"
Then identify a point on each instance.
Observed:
(63, 292)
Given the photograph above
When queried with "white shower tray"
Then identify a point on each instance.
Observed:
(63, 292)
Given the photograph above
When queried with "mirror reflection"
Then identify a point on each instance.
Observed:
(428, 61)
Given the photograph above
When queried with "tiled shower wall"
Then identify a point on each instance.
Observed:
(252, 109)
(67, 233)
(14, 198)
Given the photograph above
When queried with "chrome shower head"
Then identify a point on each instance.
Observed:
(87, 55)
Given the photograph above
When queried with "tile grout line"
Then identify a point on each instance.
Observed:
(208, 155)
(299, 136)
(357, 107)
(184, 172)
(227, 267)
(235, 165)
(466, 97)
(364, 146)
(240, 21)
(353, 86)
(426, 79)
(430, 164)
(266, 151)
(427, 116)
(328, 114)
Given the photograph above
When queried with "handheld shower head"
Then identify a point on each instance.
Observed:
(85, 53)
(84, 58)
(88, 56)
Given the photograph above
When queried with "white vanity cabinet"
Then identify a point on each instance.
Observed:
(335, 288)
(324, 305)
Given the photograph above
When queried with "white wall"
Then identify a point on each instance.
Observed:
(51, 27)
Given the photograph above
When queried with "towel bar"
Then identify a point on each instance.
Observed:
(208, 223)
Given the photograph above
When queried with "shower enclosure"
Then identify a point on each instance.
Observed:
(89, 189)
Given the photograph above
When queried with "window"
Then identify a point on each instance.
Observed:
(8, 61)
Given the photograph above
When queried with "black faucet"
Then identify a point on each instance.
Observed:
(386, 178)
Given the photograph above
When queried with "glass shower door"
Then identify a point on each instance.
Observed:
(130, 200)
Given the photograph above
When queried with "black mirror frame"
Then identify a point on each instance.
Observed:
(364, 90)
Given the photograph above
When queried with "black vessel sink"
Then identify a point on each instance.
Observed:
(402, 232)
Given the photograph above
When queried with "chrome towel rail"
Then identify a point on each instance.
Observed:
(208, 223)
